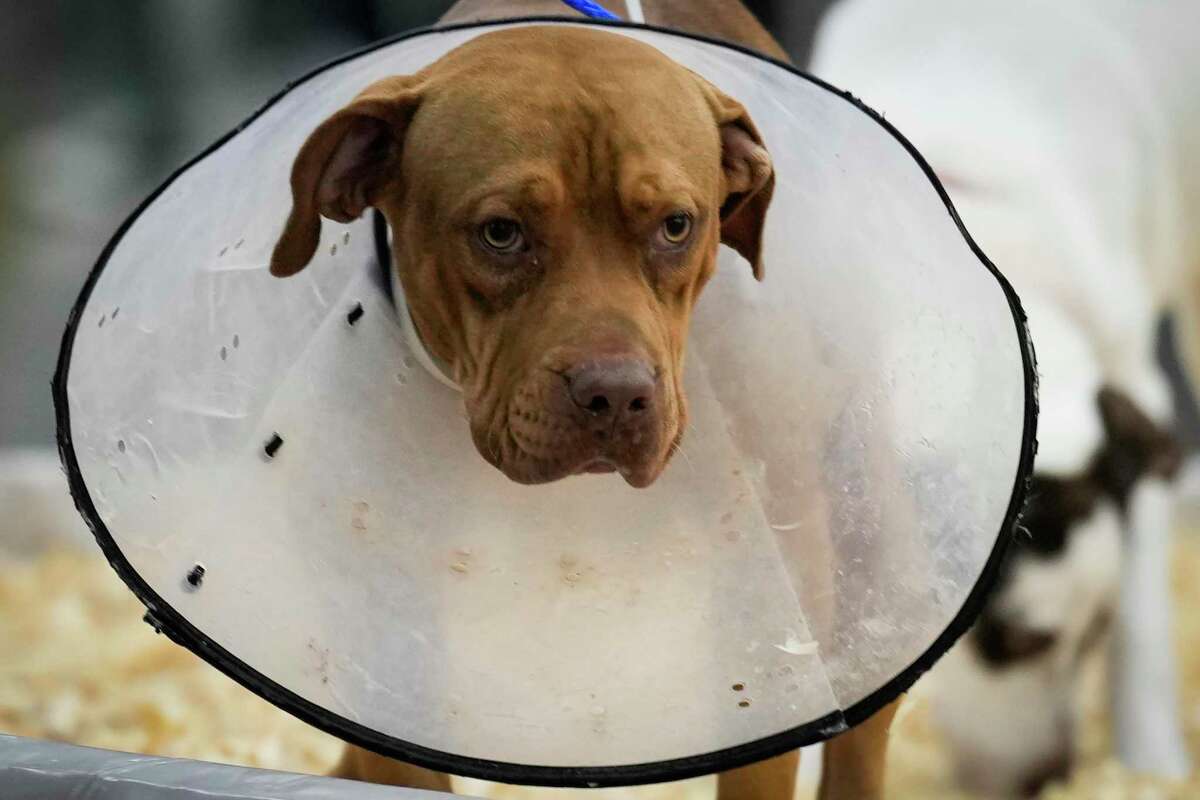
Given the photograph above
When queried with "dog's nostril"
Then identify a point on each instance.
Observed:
(612, 386)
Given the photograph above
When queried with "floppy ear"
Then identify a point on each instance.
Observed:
(1134, 445)
(343, 165)
(749, 179)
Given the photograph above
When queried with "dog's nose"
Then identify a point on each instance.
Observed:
(615, 386)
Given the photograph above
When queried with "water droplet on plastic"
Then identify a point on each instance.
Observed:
(333, 249)
(410, 362)
(121, 445)
(103, 317)
(224, 353)
(346, 237)
(240, 242)
(116, 311)
(596, 711)
(236, 341)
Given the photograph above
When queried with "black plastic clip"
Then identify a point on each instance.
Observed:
(195, 576)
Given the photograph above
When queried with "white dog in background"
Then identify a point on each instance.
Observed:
(1068, 136)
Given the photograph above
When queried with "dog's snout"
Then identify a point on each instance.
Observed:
(612, 387)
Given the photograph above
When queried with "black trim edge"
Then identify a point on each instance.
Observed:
(180, 631)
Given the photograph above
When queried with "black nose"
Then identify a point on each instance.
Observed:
(614, 386)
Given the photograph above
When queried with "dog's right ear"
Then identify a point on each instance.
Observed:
(343, 166)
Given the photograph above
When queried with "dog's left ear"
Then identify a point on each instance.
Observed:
(344, 165)
(749, 179)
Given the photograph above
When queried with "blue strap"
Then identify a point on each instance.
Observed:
(590, 9)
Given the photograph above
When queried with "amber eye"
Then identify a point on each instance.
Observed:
(677, 227)
(502, 235)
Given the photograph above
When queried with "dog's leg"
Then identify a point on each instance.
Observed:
(1144, 683)
(853, 765)
(362, 765)
(773, 779)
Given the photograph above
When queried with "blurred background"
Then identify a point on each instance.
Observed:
(99, 103)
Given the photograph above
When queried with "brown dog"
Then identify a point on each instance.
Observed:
(555, 217)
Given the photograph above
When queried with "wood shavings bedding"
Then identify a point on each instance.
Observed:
(79, 665)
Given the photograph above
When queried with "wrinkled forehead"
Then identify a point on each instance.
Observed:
(576, 104)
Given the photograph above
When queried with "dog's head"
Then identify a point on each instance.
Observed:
(557, 196)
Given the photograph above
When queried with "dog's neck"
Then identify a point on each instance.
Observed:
(723, 19)
(435, 366)
(438, 368)
(387, 277)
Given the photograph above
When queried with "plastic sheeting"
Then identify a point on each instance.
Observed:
(33, 770)
(862, 424)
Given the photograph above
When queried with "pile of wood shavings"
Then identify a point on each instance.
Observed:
(80, 666)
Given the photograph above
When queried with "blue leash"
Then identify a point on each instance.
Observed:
(590, 9)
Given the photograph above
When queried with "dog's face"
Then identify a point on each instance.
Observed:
(557, 196)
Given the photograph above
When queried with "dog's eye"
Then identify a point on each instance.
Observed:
(676, 228)
(502, 235)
